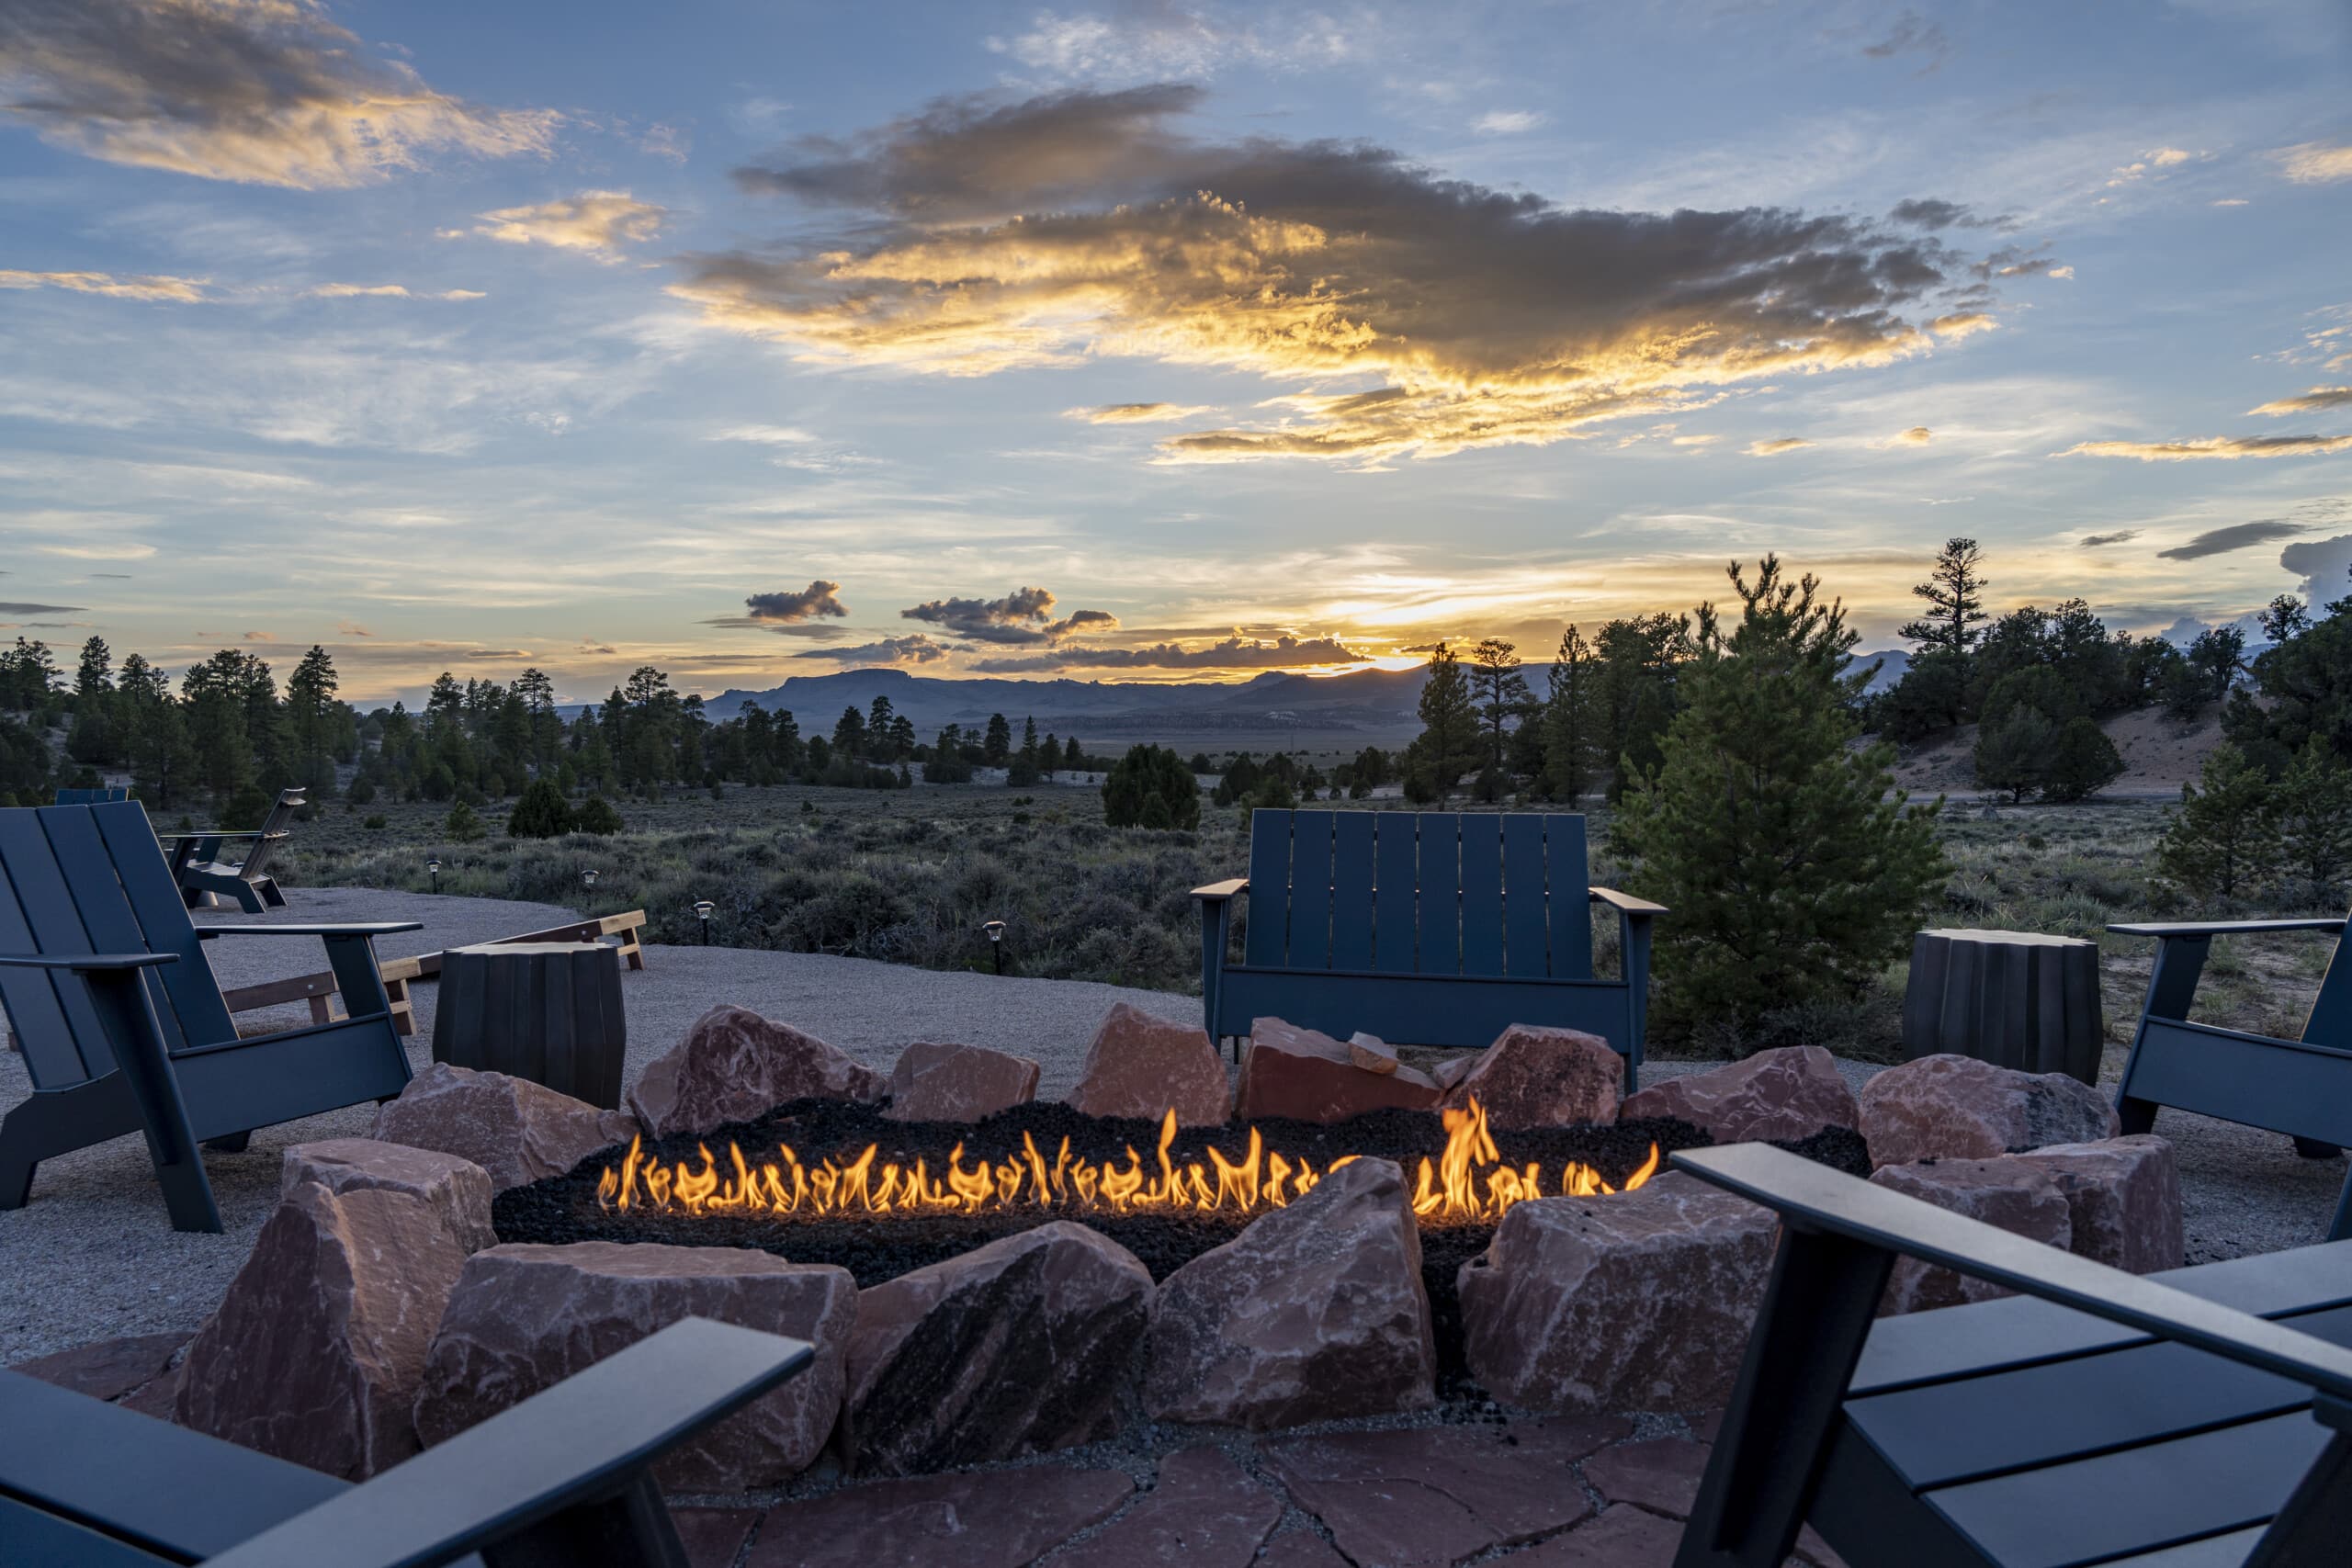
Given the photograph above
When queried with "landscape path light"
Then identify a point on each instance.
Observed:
(588, 879)
(434, 866)
(703, 909)
(995, 942)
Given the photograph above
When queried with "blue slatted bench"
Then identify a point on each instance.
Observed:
(1425, 928)
(2302, 1088)
(2200, 1418)
(91, 796)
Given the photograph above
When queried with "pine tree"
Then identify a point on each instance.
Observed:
(2082, 761)
(2224, 838)
(1074, 757)
(1569, 714)
(463, 826)
(1955, 595)
(997, 749)
(2012, 751)
(1150, 787)
(97, 737)
(309, 716)
(1448, 745)
(1794, 869)
(541, 813)
(1501, 692)
(2313, 810)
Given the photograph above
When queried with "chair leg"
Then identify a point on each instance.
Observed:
(2312, 1148)
(631, 1530)
(120, 999)
(57, 1122)
(2311, 1530)
(268, 887)
(230, 1143)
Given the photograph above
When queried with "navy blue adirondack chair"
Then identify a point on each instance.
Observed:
(92, 796)
(2302, 1088)
(2198, 1418)
(1426, 928)
(122, 1025)
(563, 1478)
(235, 866)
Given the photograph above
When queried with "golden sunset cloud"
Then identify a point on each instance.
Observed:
(597, 221)
(186, 290)
(2212, 447)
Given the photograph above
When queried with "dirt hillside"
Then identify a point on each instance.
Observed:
(2160, 754)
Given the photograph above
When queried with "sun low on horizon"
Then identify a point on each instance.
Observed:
(1148, 342)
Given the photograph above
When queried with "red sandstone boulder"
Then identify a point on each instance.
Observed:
(2010, 1192)
(1316, 1311)
(457, 1190)
(135, 1370)
(1634, 1301)
(518, 1130)
(1949, 1107)
(2124, 1197)
(1141, 1065)
(957, 1083)
(1015, 1347)
(1453, 1069)
(1373, 1054)
(525, 1317)
(1310, 1077)
(1792, 1092)
(315, 1352)
(1543, 1077)
(734, 1065)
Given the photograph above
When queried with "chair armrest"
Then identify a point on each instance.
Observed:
(1219, 891)
(85, 963)
(380, 927)
(569, 1444)
(1810, 1197)
(2225, 928)
(1625, 903)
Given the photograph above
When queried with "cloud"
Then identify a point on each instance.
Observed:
(186, 290)
(1918, 435)
(1933, 213)
(819, 598)
(1023, 616)
(1774, 448)
(914, 649)
(766, 435)
(980, 236)
(1172, 39)
(265, 92)
(351, 628)
(1961, 324)
(1233, 653)
(2212, 447)
(2236, 536)
(2313, 401)
(389, 291)
(10, 607)
(1912, 34)
(2325, 565)
(2065, 272)
(1136, 413)
(597, 221)
(2122, 537)
(2316, 163)
(1507, 122)
(2153, 161)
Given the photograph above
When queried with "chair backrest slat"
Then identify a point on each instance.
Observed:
(1482, 895)
(1526, 927)
(2330, 1023)
(1430, 892)
(1267, 940)
(1310, 891)
(279, 820)
(188, 990)
(104, 911)
(1570, 873)
(55, 1025)
(1350, 891)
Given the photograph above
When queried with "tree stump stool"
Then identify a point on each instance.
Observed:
(548, 1012)
(2014, 998)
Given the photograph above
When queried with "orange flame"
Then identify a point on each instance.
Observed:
(1458, 1189)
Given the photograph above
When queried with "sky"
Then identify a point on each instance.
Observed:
(1147, 342)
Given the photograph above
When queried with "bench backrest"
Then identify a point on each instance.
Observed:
(1420, 893)
(92, 796)
(91, 879)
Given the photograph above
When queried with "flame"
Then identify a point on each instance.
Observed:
(1468, 1184)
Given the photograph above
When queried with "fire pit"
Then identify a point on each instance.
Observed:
(833, 1181)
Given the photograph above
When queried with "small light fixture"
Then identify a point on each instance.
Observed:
(704, 909)
(588, 879)
(995, 942)
(434, 866)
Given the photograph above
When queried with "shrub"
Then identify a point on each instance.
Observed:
(2313, 813)
(1795, 871)
(463, 826)
(2082, 761)
(596, 816)
(542, 813)
(2223, 837)
(246, 808)
(361, 792)
(1151, 787)
(373, 821)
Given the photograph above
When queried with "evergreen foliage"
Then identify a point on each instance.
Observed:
(2224, 837)
(1791, 874)
(1449, 744)
(1571, 719)
(463, 826)
(541, 813)
(1955, 595)
(596, 816)
(2311, 808)
(1151, 787)
(2082, 762)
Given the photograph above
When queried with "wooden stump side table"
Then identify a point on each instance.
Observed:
(2014, 998)
(546, 1011)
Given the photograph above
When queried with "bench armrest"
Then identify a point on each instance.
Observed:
(1219, 891)
(85, 963)
(380, 927)
(1814, 1197)
(2225, 928)
(568, 1445)
(1625, 902)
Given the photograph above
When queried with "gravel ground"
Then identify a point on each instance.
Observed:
(93, 1255)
